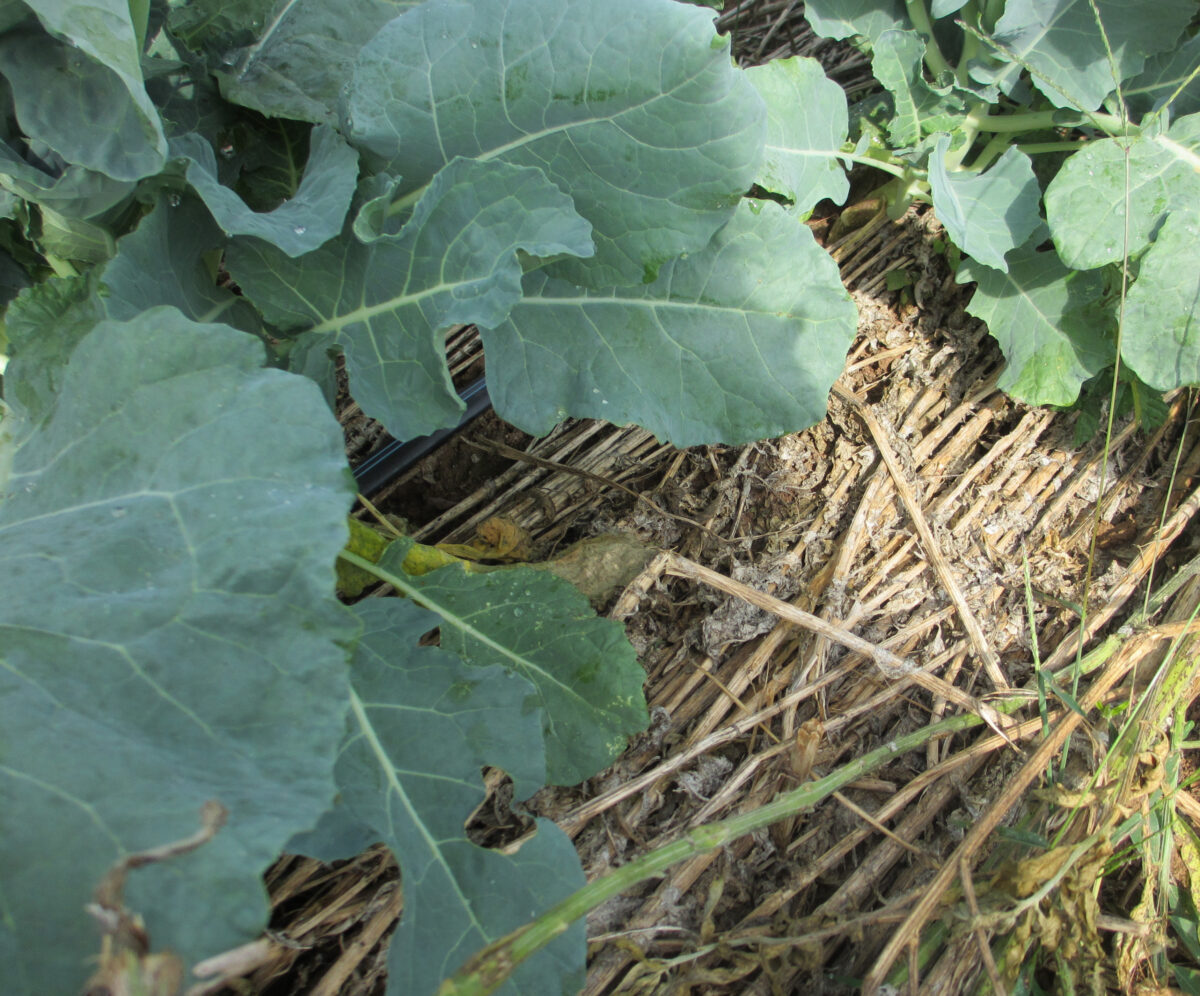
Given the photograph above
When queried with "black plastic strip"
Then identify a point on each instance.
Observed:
(382, 467)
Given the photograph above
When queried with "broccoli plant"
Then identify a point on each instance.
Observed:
(1059, 144)
(205, 208)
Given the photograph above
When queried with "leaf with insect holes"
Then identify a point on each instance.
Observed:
(423, 725)
(587, 679)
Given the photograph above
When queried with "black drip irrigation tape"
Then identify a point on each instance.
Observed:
(378, 470)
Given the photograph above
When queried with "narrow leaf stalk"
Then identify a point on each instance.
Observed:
(970, 50)
(919, 15)
(969, 131)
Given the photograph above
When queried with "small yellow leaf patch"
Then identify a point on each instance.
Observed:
(598, 566)
(496, 539)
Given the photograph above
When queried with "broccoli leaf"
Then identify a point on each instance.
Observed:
(307, 220)
(81, 108)
(384, 303)
(104, 31)
(723, 346)
(897, 60)
(631, 106)
(1161, 337)
(166, 617)
(1086, 201)
(986, 214)
(1165, 74)
(843, 18)
(1047, 321)
(800, 154)
(284, 59)
(170, 259)
(586, 678)
(422, 726)
(1069, 58)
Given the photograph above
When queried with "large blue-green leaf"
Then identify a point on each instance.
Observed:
(12, 13)
(167, 260)
(986, 214)
(806, 128)
(385, 303)
(270, 160)
(1047, 320)
(898, 62)
(423, 725)
(168, 635)
(725, 346)
(587, 682)
(310, 218)
(1161, 335)
(1165, 74)
(284, 58)
(375, 196)
(104, 31)
(1061, 42)
(844, 18)
(79, 107)
(1085, 202)
(75, 192)
(171, 259)
(72, 238)
(632, 107)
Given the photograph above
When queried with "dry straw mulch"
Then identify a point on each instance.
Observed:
(907, 516)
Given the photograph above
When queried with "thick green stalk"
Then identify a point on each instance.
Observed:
(901, 172)
(969, 129)
(61, 267)
(402, 204)
(1044, 120)
(970, 50)
(1039, 148)
(992, 151)
(139, 16)
(918, 13)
